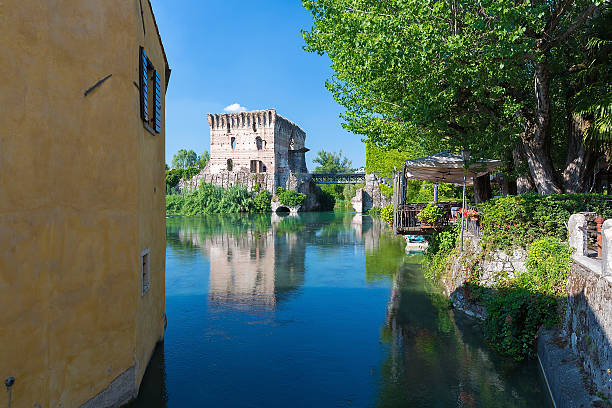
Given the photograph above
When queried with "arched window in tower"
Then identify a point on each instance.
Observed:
(228, 126)
(230, 165)
(259, 143)
(254, 126)
(291, 142)
(233, 143)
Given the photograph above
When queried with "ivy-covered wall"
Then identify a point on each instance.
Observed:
(382, 160)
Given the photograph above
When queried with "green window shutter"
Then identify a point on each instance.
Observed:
(144, 103)
(157, 103)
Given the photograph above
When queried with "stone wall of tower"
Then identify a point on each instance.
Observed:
(241, 138)
(288, 137)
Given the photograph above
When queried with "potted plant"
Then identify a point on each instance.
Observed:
(470, 214)
(430, 216)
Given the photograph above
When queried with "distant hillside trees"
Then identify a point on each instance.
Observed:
(184, 159)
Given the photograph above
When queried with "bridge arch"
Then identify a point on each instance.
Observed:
(282, 209)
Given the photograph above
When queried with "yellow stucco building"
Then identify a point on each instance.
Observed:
(82, 207)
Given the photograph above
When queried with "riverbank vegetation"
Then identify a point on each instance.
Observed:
(335, 196)
(211, 199)
(290, 198)
(517, 306)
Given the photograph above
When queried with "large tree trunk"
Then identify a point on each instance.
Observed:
(578, 172)
(482, 189)
(536, 138)
(508, 186)
(524, 182)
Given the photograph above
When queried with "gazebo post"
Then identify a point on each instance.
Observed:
(466, 157)
(436, 193)
(463, 211)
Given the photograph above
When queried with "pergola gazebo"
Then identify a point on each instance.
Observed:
(444, 167)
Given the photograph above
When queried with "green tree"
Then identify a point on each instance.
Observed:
(491, 76)
(331, 162)
(184, 159)
(203, 160)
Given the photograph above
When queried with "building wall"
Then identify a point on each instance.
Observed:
(89, 199)
(288, 137)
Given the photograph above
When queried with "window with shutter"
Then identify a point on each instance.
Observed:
(150, 94)
(144, 100)
(157, 103)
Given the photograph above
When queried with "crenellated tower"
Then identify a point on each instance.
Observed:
(256, 142)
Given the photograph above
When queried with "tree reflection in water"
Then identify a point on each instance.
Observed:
(436, 357)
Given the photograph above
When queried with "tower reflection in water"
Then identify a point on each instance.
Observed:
(257, 268)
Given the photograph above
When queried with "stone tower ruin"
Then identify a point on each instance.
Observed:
(257, 150)
(260, 142)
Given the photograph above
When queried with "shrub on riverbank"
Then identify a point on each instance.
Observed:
(442, 247)
(289, 197)
(174, 176)
(211, 199)
(517, 307)
(515, 221)
(386, 213)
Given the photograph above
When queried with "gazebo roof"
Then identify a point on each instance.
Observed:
(446, 167)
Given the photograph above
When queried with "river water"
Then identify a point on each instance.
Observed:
(319, 310)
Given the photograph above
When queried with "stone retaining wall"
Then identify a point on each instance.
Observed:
(588, 323)
(494, 269)
(227, 179)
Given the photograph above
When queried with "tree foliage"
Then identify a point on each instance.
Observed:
(203, 160)
(185, 165)
(331, 162)
(502, 78)
(184, 159)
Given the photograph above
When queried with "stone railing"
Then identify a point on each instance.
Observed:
(579, 240)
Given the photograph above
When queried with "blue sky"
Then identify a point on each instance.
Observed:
(246, 52)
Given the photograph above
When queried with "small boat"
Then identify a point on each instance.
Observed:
(415, 243)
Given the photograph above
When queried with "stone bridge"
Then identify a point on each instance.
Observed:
(276, 206)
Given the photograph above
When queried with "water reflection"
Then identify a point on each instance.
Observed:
(315, 310)
(427, 340)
